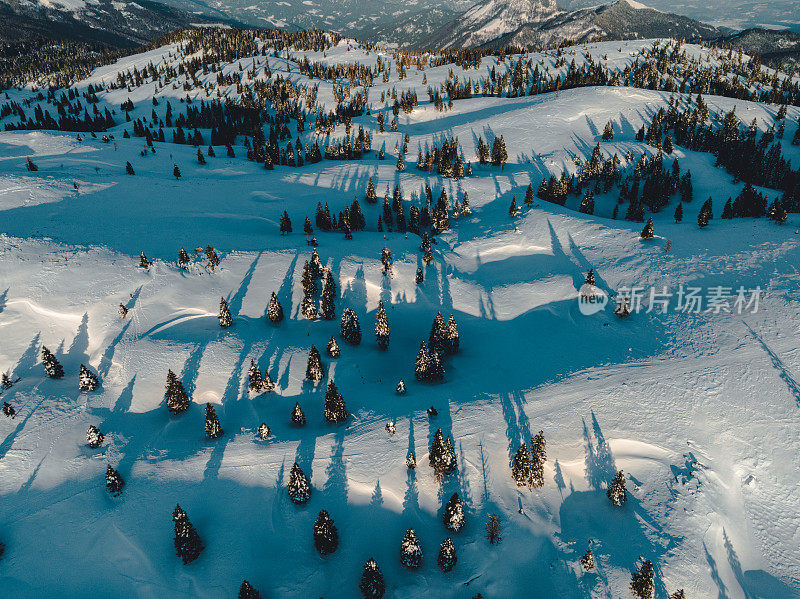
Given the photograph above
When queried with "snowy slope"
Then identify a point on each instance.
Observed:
(701, 411)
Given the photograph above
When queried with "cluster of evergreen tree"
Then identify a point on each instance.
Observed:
(527, 467)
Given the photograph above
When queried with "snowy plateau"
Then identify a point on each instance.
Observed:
(699, 409)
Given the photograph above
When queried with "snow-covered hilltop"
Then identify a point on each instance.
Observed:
(288, 314)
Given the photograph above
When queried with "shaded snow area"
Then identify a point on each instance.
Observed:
(701, 411)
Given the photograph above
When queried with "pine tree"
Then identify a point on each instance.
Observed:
(263, 431)
(442, 456)
(87, 380)
(370, 197)
(438, 334)
(200, 158)
(587, 561)
(447, 555)
(420, 277)
(538, 458)
(401, 163)
(94, 437)
(679, 594)
(335, 409)
(177, 399)
(454, 518)
(647, 232)
(411, 459)
(668, 144)
(727, 210)
(332, 349)
(8, 410)
(608, 132)
(703, 216)
(642, 581)
(298, 417)
(314, 369)
(350, 329)
(299, 488)
(257, 382)
(183, 258)
(6, 383)
(246, 591)
(401, 387)
(213, 428)
(176, 172)
(372, 585)
(679, 212)
(512, 209)
(777, 212)
(590, 278)
(410, 550)
(616, 490)
(129, 168)
(326, 537)
(274, 309)
(285, 223)
(188, 545)
(212, 257)
(529, 195)
(382, 327)
(493, 532)
(51, 366)
(225, 319)
(328, 307)
(114, 481)
(521, 466)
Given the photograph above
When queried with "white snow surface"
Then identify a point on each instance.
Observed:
(701, 411)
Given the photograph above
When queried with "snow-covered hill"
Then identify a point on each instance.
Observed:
(699, 409)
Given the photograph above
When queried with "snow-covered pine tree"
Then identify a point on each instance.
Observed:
(183, 258)
(642, 581)
(225, 319)
(51, 366)
(451, 339)
(386, 260)
(401, 387)
(679, 594)
(608, 132)
(521, 466)
(314, 369)
(411, 459)
(328, 307)
(176, 172)
(285, 223)
(298, 417)
(529, 195)
(616, 490)
(258, 383)
(512, 209)
(382, 327)
(420, 278)
(326, 537)
(143, 261)
(6, 382)
(423, 363)
(587, 561)
(454, 517)
(212, 257)
(212, 427)
(647, 232)
(350, 329)
(436, 339)
(590, 277)
(538, 458)
(298, 488)
(94, 437)
(332, 349)
(391, 427)
(372, 585)
(8, 410)
(442, 456)
(188, 545)
(447, 555)
(87, 381)
(493, 530)
(177, 399)
(114, 481)
(410, 550)
(274, 309)
(263, 431)
(129, 168)
(335, 409)
(679, 212)
(246, 591)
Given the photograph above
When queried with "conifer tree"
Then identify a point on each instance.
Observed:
(679, 594)
(521, 466)
(314, 369)
(298, 417)
(776, 212)
(442, 456)
(177, 399)
(350, 328)
(587, 560)
(257, 382)
(608, 132)
(326, 537)
(493, 530)
(51, 366)
(212, 427)
(512, 209)
(246, 591)
(327, 307)
(299, 488)
(114, 481)
(411, 459)
(382, 327)
(420, 277)
(370, 197)
(335, 409)
(679, 212)
(212, 257)
(183, 258)
(401, 387)
(438, 334)
(8, 410)
(727, 211)
(94, 437)
(642, 581)
(188, 545)
(274, 309)
(332, 349)
(447, 555)
(129, 168)
(538, 458)
(372, 585)
(6, 381)
(225, 319)
(647, 232)
(423, 363)
(176, 172)
(703, 216)
(410, 550)
(454, 517)
(401, 163)
(616, 490)
(529, 195)
(285, 223)
(451, 338)
(87, 380)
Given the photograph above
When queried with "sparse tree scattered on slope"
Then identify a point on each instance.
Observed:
(335, 409)
(94, 437)
(454, 517)
(87, 380)
(225, 319)
(350, 329)
(51, 366)
(212, 426)
(114, 481)
(314, 369)
(642, 581)
(647, 232)
(616, 490)
(382, 327)
(299, 488)
(246, 591)
(188, 545)
(587, 560)
(326, 536)
(447, 555)
(372, 585)
(177, 399)
(332, 349)
(493, 531)
(410, 550)
(298, 417)
(274, 309)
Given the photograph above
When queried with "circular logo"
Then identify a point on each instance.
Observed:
(591, 299)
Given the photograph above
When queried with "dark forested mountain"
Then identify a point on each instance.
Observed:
(774, 47)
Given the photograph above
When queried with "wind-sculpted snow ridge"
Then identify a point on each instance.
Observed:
(178, 289)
